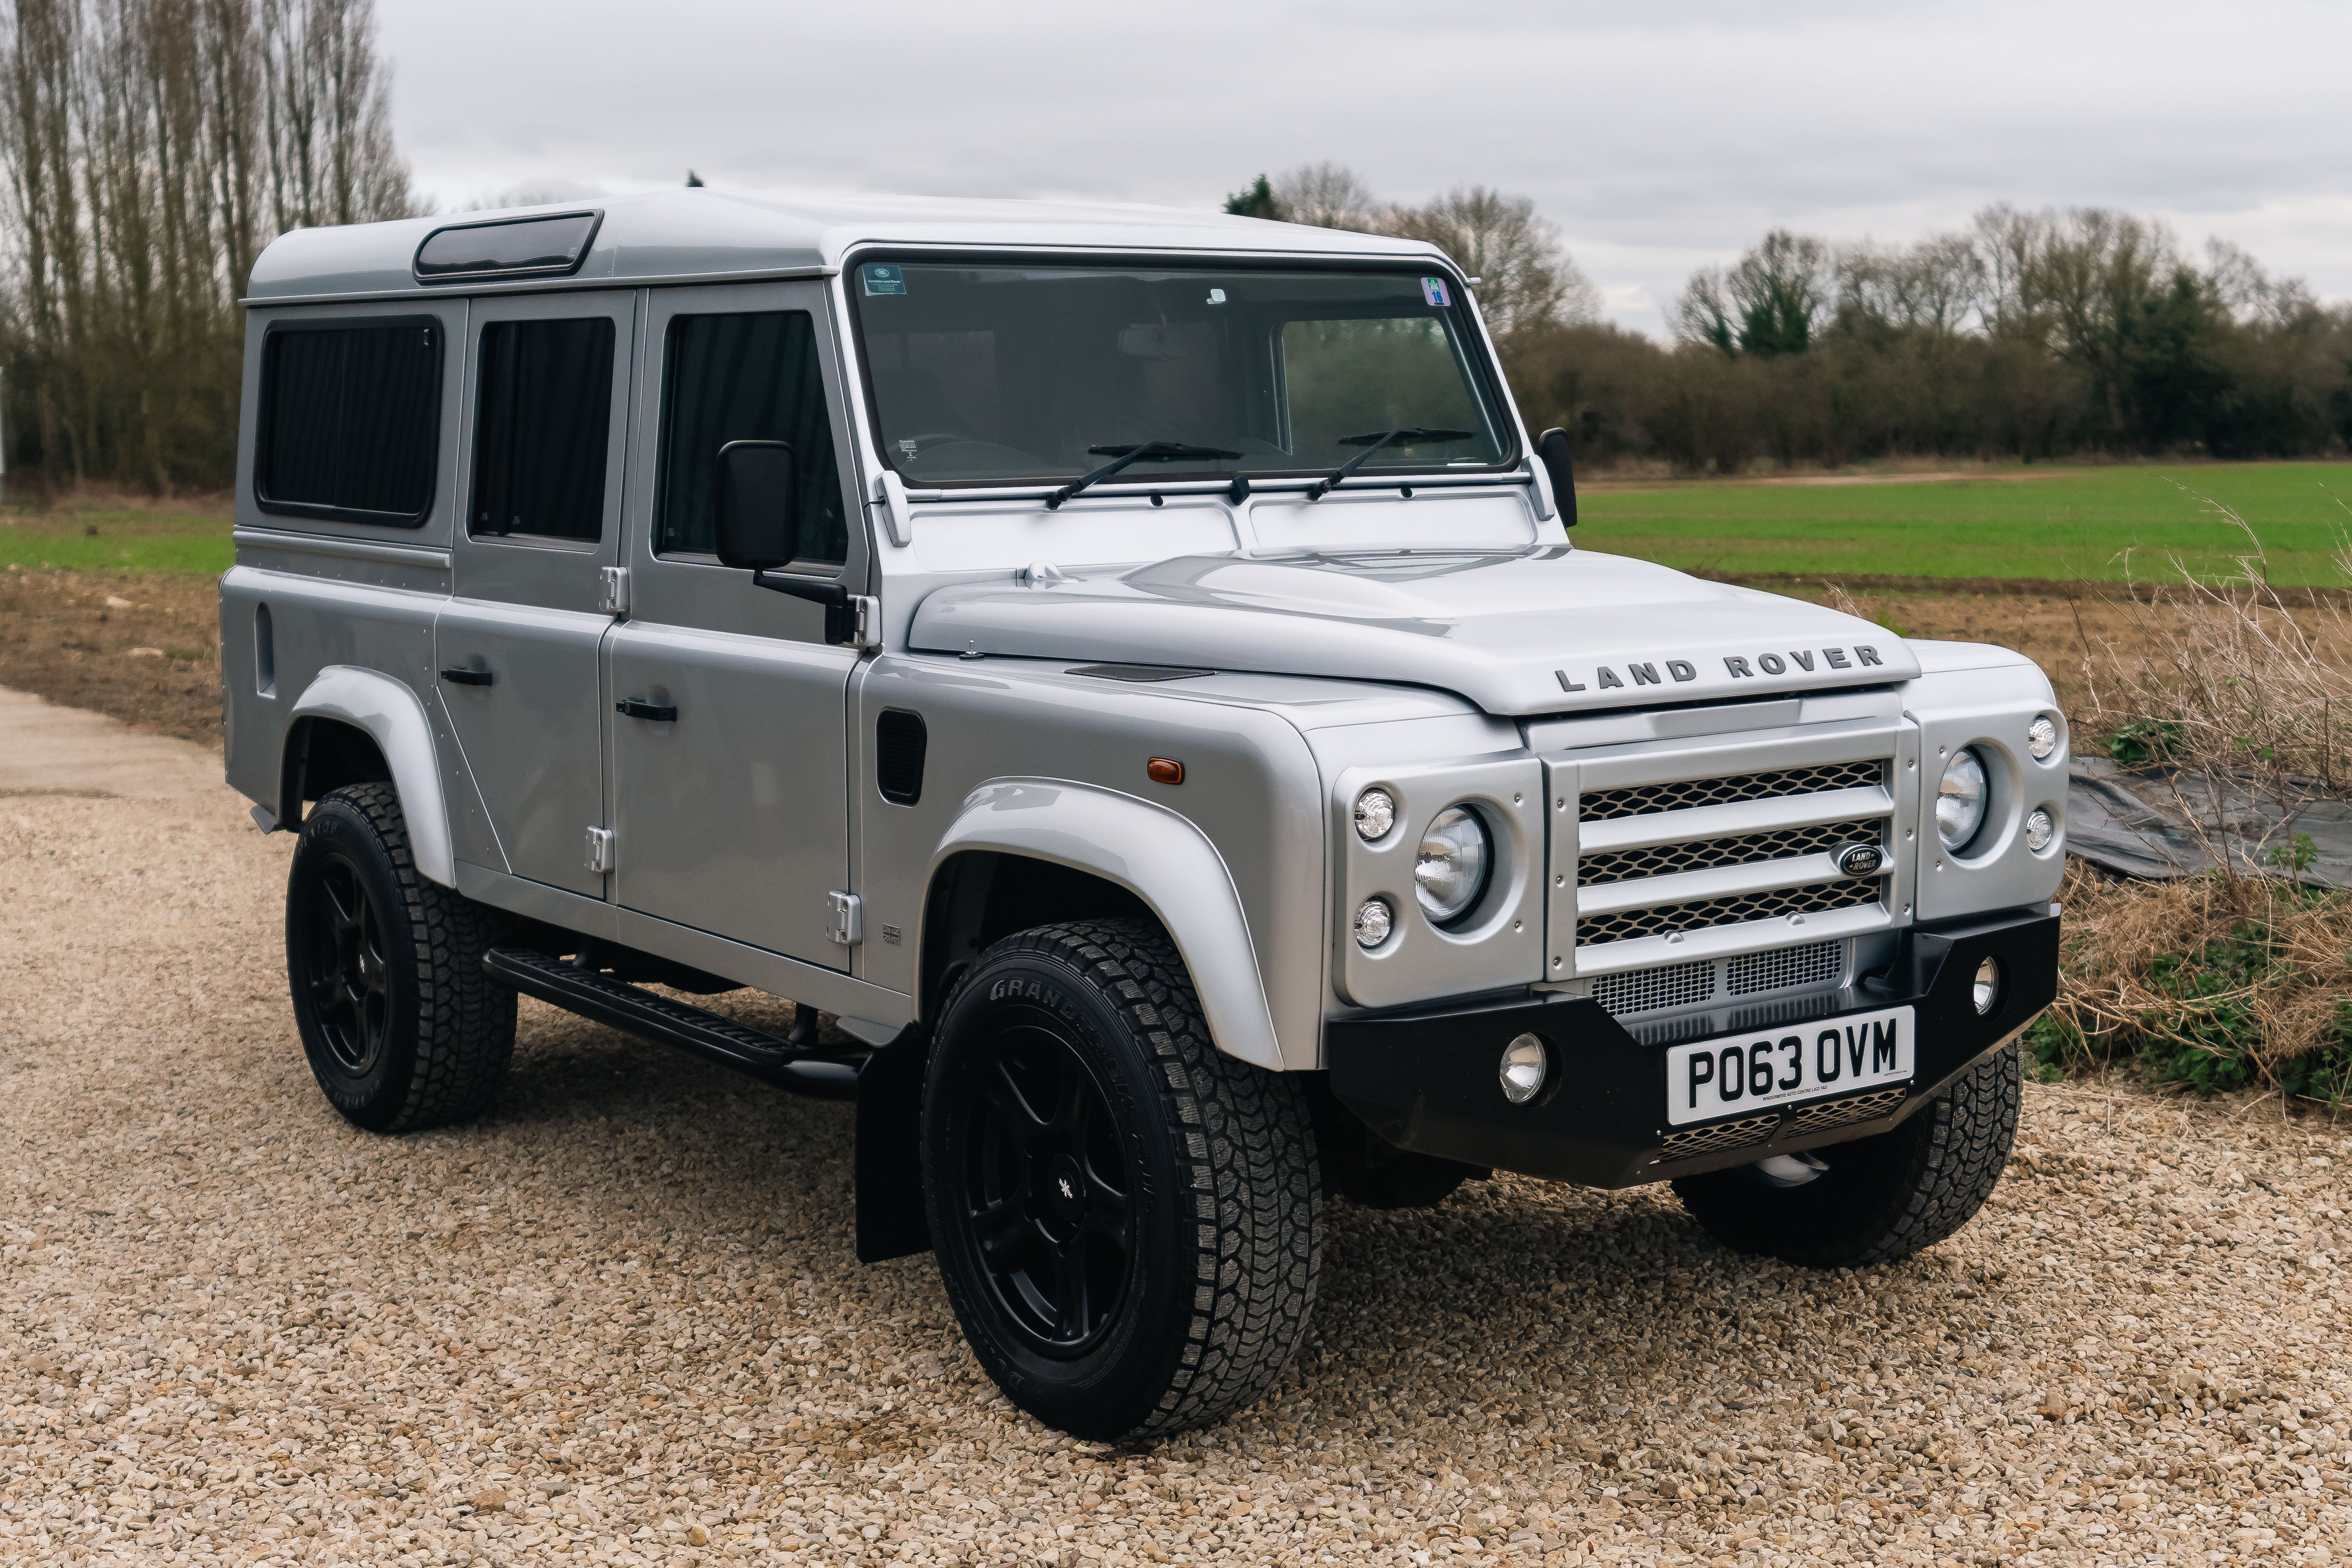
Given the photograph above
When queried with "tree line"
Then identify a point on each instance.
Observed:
(2025, 334)
(152, 148)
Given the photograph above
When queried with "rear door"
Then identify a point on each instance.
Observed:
(540, 472)
(729, 763)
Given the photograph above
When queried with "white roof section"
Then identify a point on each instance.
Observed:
(676, 235)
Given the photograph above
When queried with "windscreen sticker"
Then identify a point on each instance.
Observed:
(1432, 289)
(881, 278)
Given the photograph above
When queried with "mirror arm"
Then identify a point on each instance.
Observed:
(840, 613)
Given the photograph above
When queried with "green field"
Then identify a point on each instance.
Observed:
(2110, 525)
(2105, 523)
(116, 541)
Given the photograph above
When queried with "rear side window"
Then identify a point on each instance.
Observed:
(349, 420)
(541, 426)
(747, 377)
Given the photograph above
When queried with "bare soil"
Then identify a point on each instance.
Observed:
(142, 648)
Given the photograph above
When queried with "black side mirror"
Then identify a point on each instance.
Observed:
(758, 491)
(1552, 450)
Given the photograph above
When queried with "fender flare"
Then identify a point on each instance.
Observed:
(1155, 854)
(392, 715)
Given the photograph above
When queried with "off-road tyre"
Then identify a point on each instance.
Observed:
(1884, 1197)
(1218, 1275)
(433, 1034)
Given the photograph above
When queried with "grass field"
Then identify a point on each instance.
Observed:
(2110, 525)
(117, 542)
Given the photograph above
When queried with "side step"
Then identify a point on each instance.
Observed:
(782, 1062)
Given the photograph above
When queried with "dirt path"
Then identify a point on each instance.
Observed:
(619, 1320)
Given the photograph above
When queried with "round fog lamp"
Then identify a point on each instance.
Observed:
(1374, 920)
(1449, 872)
(1986, 989)
(1375, 815)
(2040, 827)
(1960, 798)
(2041, 738)
(1526, 1065)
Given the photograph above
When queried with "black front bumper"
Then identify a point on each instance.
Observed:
(1426, 1080)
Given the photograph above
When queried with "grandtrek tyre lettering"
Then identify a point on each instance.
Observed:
(1733, 1082)
(1795, 1045)
(1882, 1042)
(1829, 1061)
(1702, 1060)
(1760, 1067)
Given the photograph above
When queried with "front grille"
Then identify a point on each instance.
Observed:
(1839, 1112)
(1703, 914)
(1723, 1136)
(1816, 965)
(1602, 806)
(1784, 967)
(1653, 990)
(1697, 854)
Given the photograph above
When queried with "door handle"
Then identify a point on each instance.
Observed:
(463, 677)
(657, 712)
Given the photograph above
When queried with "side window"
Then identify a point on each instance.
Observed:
(349, 420)
(541, 424)
(749, 377)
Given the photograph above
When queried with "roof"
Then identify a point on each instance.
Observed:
(673, 236)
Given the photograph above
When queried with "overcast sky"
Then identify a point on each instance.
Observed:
(1658, 138)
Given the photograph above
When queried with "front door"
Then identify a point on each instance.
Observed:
(729, 752)
(540, 467)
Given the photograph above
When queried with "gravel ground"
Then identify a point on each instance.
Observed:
(620, 1320)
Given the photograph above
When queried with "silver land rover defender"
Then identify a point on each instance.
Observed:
(1131, 668)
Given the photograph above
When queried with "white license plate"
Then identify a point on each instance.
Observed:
(1779, 1066)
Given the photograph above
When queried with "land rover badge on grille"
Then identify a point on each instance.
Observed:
(1860, 859)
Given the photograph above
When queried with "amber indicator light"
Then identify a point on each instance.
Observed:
(1165, 769)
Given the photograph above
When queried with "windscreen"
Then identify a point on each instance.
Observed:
(1012, 373)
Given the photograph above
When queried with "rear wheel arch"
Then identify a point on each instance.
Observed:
(353, 725)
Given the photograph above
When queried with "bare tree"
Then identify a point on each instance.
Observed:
(329, 116)
(1327, 195)
(1771, 302)
(1526, 279)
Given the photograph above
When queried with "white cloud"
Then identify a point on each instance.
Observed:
(1657, 139)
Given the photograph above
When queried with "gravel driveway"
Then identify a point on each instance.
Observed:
(620, 1320)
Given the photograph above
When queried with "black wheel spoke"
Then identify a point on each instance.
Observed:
(1074, 1107)
(1107, 1212)
(1015, 1119)
(1001, 1229)
(1070, 1294)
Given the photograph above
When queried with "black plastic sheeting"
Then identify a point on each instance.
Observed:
(2147, 823)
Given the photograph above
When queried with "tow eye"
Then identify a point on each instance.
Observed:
(1786, 1170)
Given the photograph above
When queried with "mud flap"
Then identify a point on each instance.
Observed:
(888, 1161)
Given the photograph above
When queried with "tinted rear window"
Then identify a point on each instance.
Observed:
(544, 412)
(349, 420)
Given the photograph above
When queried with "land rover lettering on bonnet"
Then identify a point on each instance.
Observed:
(1133, 670)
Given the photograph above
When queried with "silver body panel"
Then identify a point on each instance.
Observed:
(1449, 646)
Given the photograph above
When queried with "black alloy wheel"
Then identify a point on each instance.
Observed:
(1046, 1190)
(402, 1027)
(348, 974)
(1127, 1220)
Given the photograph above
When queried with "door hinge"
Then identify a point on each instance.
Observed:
(604, 851)
(612, 590)
(848, 919)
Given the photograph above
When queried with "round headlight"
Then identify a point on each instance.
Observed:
(1986, 989)
(1375, 815)
(1450, 870)
(2041, 738)
(1960, 800)
(2040, 827)
(1525, 1067)
(1374, 920)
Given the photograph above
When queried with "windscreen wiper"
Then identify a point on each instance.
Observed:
(1122, 456)
(1372, 443)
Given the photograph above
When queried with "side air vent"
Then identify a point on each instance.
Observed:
(898, 742)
